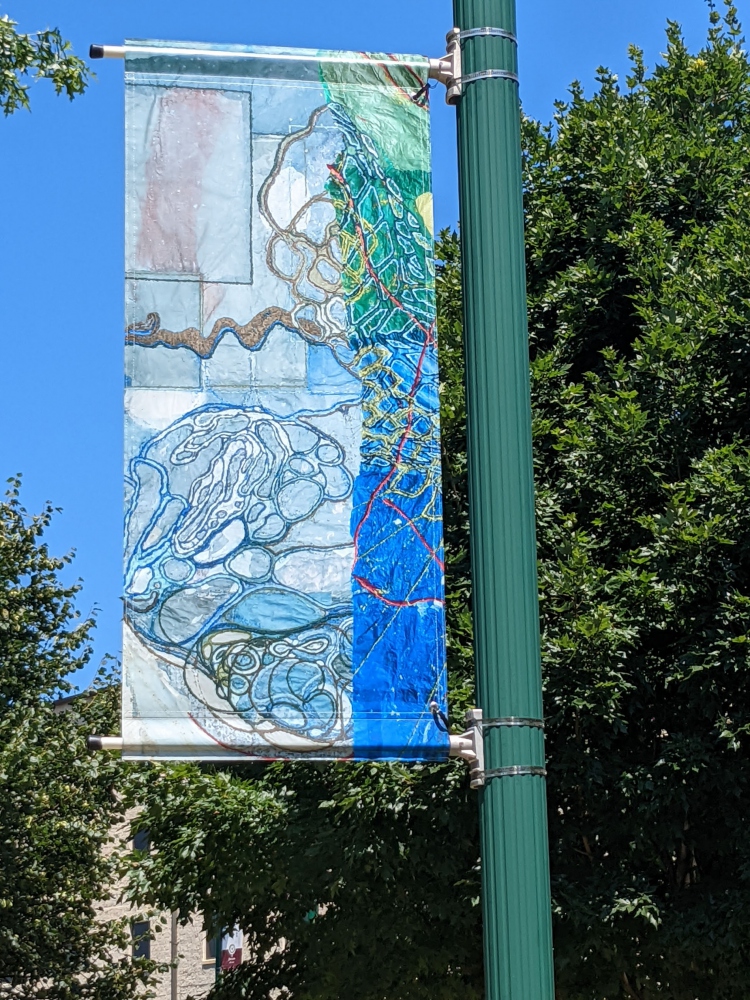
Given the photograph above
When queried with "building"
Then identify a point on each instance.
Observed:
(191, 955)
(186, 948)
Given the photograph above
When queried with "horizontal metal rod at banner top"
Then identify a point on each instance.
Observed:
(121, 51)
(106, 52)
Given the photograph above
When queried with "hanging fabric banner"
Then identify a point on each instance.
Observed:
(230, 951)
(284, 592)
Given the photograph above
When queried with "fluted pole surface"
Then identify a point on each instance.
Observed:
(515, 854)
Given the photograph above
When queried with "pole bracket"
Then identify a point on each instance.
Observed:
(447, 70)
(470, 747)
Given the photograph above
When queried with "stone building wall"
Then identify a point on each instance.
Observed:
(195, 971)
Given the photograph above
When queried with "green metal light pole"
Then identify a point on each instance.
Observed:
(515, 854)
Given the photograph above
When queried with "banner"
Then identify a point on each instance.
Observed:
(230, 952)
(284, 591)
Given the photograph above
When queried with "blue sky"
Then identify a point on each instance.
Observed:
(61, 257)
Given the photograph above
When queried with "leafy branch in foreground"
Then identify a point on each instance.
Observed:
(58, 803)
(41, 55)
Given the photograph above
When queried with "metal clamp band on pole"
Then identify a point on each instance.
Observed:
(512, 720)
(488, 33)
(514, 771)
(489, 74)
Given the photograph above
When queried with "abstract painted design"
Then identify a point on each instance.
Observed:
(284, 590)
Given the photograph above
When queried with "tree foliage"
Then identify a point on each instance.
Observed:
(639, 301)
(41, 55)
(57, 801)
(638, 221)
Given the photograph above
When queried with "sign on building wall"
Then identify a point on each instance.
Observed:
(231, 950)
(284, 588)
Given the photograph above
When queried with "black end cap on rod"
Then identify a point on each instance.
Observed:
(96, 52)
(93, 742)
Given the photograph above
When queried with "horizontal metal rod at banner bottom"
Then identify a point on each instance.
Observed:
(104, 742)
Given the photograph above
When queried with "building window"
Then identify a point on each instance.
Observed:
(142, 841)
(140, 932)
(209, 949)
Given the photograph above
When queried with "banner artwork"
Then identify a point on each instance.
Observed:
(284, 590)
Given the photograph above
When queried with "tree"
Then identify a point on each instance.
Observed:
(637, 228)
(42, 55)
(639, 306)
(58, 801)
(638, 215)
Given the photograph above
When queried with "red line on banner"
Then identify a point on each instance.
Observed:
(417, 532)
(429, 340)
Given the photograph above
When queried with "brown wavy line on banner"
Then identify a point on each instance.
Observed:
(150, 333)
